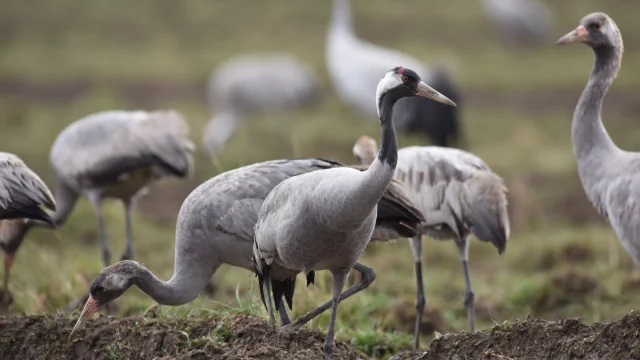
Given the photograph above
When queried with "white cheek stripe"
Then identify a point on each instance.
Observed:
(388, 82)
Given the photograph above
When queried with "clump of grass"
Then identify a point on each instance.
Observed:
(113, 351)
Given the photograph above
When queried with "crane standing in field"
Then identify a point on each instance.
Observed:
(610, 176)
(116, 154)
(458, 195)
(323, 220)
(355, 66)
(216, 226)
(22, 196)
(255, 82)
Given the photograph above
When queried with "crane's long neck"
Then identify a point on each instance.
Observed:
(379, 174)
(590, 138)
(220, 128)
(66, 199)
(341, 17)
(194, 264)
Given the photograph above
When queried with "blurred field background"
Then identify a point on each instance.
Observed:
(65, 59)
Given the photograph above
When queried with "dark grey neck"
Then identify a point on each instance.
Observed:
(66, 199)
(388, 153)
(179, 290)
(590, 138)
(194, 263)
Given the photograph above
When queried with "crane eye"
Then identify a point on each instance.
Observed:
(405, 79)
(595, 26)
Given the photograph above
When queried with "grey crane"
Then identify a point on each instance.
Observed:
(215, 226)
(355, 66)
(115, 154)
(255, 82)
(458, 194)
(323, 220)
(610, 176)
(521, 21)
(22, 196)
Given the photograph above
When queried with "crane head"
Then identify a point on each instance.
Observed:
(107, 286)
(597, 30)
(403, 82)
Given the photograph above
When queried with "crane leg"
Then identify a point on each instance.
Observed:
(339, 279)
(469, 296)
(416, 249)
(266, 273)
(284, 317)
(368, 275)
(96, 200)
(128, 251)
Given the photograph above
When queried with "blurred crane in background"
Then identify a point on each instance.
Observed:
(355, 67)
(117, 154)
(253, 83)
(114, 154)
(520, 22)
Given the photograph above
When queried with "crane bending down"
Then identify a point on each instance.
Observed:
(22, 196)
(323, 220)
(115, 154)
(355, 66)
(610, 176)
(215, 226)
(255, 82)
(458, 195)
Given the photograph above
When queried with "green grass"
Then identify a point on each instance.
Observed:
(507, 122)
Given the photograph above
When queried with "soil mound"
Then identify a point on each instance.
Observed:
(540, 339)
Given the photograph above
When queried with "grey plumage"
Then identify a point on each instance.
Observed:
(215, 226)
(610, 176)
(117, 154)
(458, 194)
(252, 83)
(323, 220)
(23, 197)
(521, 21)
(22, 192)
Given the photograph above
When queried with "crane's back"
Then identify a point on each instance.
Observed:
(99, 147)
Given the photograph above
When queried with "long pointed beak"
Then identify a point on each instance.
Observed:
(427, 91)
(89, 309)
(579, 34)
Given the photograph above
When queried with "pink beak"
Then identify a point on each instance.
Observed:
(579, 34)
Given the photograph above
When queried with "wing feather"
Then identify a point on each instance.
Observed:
(22, 192)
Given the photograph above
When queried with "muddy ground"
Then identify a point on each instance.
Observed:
(246, 337)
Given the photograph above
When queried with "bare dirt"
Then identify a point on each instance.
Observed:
(246, 337)
(210, 337)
